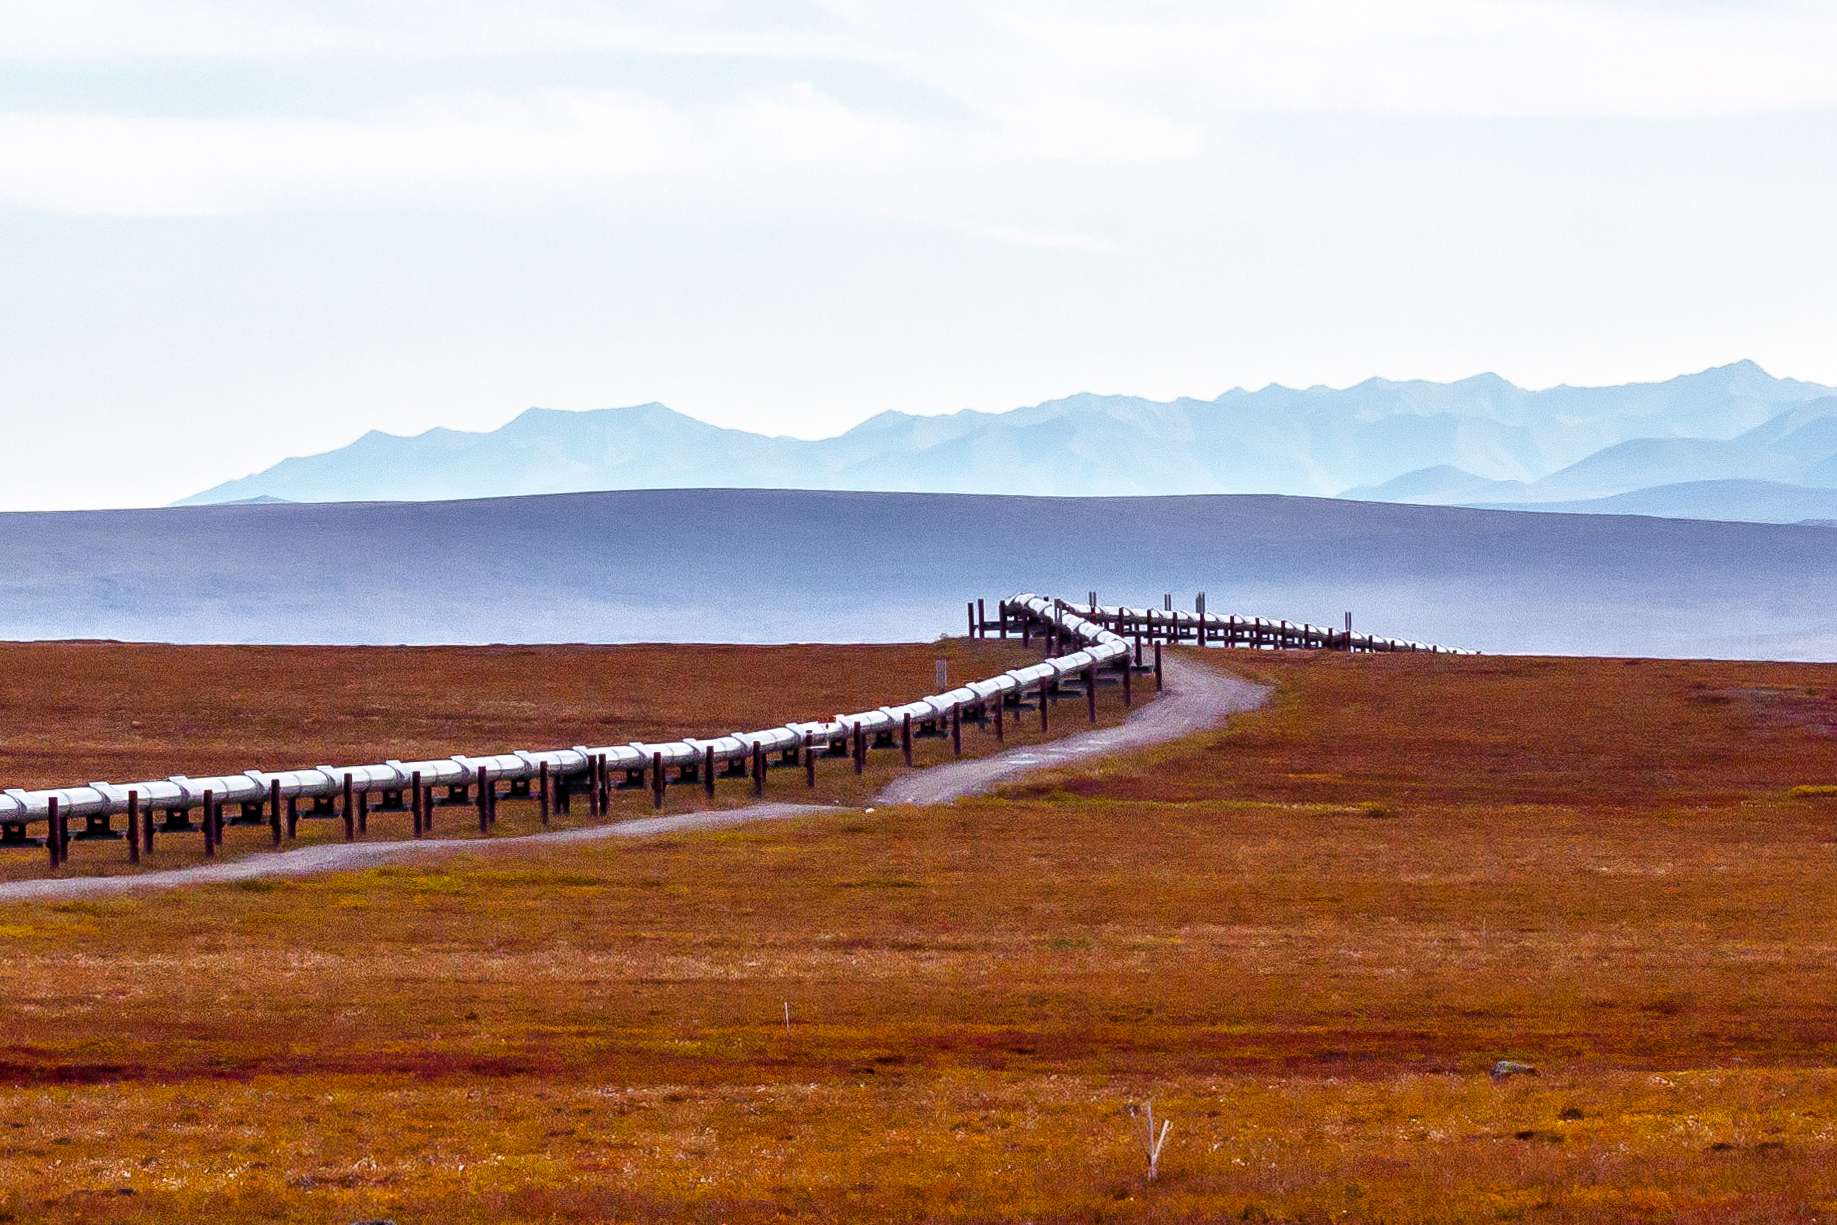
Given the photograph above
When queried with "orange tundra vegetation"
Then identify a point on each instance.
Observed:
(1306, 939)
(77, 711)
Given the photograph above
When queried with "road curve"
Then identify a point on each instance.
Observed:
(1196, 699)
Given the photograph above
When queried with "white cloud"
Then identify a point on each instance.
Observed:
(471, 149)
(1070, 81)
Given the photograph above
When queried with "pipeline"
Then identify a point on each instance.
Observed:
(1096, 633)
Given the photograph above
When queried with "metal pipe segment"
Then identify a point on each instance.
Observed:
(1085, 625)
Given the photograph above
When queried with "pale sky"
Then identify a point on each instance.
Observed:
(233, 232)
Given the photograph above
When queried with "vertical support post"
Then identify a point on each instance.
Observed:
(293, 817)
(658, 781)
(146, 829)
(956, 733)
(1157, 667)
(274, 812)
(905, 737)
(485, 787)
(419, 798)
(758, 769)
(350, 811)
(1128, 697)
(210, 825)
(1045, 704)
(860, 749)
(427, 817)
(1348, 632)
(363, 811)
(809, 761)
(133, 827)
(969, 613)
(53, 846)
(708, 770)
(982, 618)
(1026, 627)
(1001, 715)
(1090, 693)
(601, 800)
(1001, 610)
(1201, 610)
(1138, 644)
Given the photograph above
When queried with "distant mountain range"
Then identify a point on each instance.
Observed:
(1695, 446)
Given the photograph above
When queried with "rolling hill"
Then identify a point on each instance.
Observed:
(766, 565)
(1744, 501)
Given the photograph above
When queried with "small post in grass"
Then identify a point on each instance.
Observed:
(1151, 1142)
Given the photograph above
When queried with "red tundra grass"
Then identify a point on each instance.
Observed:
(1306, 939)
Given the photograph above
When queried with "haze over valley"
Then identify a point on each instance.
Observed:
(778, 565)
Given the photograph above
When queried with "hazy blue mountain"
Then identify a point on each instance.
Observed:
(1795, 447)
(1742, 501)
(1482, 437)
(768, 565)
(1441, 485)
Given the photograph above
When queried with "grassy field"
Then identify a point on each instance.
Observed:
(74, 712)
(1306, 939)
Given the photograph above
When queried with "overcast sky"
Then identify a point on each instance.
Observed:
(235, 232)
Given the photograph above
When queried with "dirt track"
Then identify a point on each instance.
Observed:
(1196, 699)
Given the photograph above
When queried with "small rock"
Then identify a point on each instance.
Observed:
(1508, 1068)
